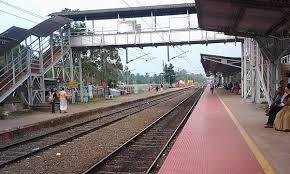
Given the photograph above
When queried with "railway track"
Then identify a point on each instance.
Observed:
(23, 149)
(140, 153)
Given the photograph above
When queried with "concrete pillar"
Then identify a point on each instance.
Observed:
(81, 78)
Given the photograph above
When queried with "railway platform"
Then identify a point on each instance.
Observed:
(18, 125)
(226, 134)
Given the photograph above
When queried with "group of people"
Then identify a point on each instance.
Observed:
(234, 88)
(279, 111)
(151, 88)
(62, 96)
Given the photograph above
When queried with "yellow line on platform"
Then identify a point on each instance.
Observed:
(258, 154)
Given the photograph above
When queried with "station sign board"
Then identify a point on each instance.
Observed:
(73, 84)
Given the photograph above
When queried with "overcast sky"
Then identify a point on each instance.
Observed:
(191, 61)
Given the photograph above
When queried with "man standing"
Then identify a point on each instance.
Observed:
(212, 85)
(90, 91)
(52, 97)
(63, 101)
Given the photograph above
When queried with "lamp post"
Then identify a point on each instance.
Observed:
(161, 78)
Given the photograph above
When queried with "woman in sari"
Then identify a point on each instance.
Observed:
(282, 120)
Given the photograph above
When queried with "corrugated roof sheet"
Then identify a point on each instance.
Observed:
(48, 26)
(130, 12)
(213, 67)
(12, 37)
(245, 18)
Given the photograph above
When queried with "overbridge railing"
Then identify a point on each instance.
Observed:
(147, 36)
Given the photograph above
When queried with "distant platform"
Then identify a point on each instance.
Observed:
(23, 124)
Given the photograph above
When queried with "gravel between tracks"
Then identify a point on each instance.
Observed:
(80, 154)
(82, 119)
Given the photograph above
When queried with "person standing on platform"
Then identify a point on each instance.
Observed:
(52, 97)
(90, 91)
(212, 85)
(157, 88)
(63, 101)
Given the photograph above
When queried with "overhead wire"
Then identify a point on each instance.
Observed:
(21, 9)
(138, 2)
(18, 16)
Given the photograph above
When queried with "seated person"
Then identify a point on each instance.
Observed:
(236, 89)
(230, 85)
(225, 86)
(275, 107)
(282, 121)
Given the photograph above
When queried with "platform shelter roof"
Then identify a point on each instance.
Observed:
(245, 17)
(48, 26)
(130, 12)
(214, 64)
(12, 37)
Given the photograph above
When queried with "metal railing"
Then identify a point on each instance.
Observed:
(146, 36)
(29, 60)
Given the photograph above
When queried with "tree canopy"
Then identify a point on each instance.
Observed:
(169, 74)
(102, 65)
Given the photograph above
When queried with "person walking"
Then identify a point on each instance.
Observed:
(63, 101)
(212, 85)
(52, 97)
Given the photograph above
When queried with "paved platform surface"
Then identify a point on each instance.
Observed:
(274, 145)
(212, 143)
(19, 122)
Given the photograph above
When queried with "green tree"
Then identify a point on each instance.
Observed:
(155, 78)
(169, 74)
(102, 65)
(76, 26)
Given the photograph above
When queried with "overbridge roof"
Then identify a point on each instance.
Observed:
(213, 64)
(12, 37)
(130, 12)
(48, 26)
(245, 17)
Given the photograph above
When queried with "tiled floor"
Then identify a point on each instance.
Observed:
(274, 145)
(210, 143)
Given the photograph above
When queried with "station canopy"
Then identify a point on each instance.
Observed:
(214, 64)
(12, 37)
(245, 17)
(130, 12)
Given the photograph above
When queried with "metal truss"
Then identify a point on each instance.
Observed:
(259, 75)
(29, 66)
(153, 35)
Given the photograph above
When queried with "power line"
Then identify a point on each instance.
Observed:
(21, 9)
(18, 16)
(138, 2)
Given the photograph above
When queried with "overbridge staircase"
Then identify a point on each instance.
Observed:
(34, 60)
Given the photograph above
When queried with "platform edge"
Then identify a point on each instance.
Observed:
(268, 169)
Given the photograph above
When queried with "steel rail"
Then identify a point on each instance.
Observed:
(85, 132)
(100, 163)
(174, 134)
(86, 122)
